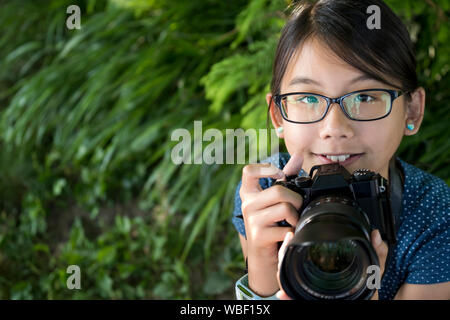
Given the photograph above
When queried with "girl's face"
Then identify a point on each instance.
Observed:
(318, 70)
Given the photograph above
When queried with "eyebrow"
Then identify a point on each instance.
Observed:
(305, 80)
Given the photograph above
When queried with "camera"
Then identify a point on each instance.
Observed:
(331, 248)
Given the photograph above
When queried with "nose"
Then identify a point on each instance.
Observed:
(336, 125)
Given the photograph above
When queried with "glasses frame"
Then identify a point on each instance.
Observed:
(393, 93)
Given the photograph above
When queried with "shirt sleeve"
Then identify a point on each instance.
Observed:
(238, 222)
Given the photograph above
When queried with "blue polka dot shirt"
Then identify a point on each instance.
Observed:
(422, 252)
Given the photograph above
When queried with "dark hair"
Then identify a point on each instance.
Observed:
(383, 54)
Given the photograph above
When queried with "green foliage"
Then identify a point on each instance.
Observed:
(86, 118)
(428, 24)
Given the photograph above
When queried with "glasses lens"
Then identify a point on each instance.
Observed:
(367, 105)
(303, 107)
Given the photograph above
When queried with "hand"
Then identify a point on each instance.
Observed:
(381, 249)
(378, 244)
(261, 210)
(282, 295)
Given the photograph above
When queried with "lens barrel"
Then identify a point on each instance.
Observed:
(330, 252)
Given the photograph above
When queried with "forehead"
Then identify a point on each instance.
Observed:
(316, 61)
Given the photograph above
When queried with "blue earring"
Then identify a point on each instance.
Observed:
(410, 126)
(280, 129)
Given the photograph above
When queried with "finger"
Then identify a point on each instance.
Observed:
(279, 212)
(266, 237)
(266, 243)
(251, 174)
(287, 239)
(380, 247)
(274, 235)
(270, 197)
(269, 217)
(282, 295)
(294, 165)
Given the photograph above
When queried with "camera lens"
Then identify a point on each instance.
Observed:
(330, 252)
(331, 270)
(331, 257)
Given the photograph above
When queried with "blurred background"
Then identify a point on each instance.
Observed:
(86, 117)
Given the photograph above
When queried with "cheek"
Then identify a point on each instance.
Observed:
(383, 139)
(298, 137)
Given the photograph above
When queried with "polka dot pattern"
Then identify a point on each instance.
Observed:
(422, 253)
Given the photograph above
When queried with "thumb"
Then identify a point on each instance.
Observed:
(287, 238)
(380, 247)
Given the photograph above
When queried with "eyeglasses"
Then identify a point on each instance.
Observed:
(361, 105)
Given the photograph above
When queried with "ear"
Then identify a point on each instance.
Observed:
(275, 115)
(415, 110)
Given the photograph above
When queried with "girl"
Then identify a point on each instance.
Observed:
(326, 50)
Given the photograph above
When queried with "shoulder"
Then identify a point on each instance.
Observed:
(419, 180)
(422, 253)
(425, 192)
(424, 232)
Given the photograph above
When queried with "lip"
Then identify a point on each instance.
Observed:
(350, 160)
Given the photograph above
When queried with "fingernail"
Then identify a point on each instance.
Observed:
(280, 176)
(288, 236)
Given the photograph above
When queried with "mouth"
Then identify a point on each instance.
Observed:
(341, 158)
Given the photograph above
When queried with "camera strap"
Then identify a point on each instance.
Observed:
(395, 189)
(396, 180)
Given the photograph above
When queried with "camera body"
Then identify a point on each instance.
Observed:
(331, 248)
(368, 190)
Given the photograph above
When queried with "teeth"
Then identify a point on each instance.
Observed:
(340, 158)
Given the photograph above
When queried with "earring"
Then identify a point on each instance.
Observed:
(410, 126)
(280, 129)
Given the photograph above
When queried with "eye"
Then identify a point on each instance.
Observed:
(308, 99)
(364, 98)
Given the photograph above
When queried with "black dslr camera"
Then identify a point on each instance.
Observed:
(331, 249)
